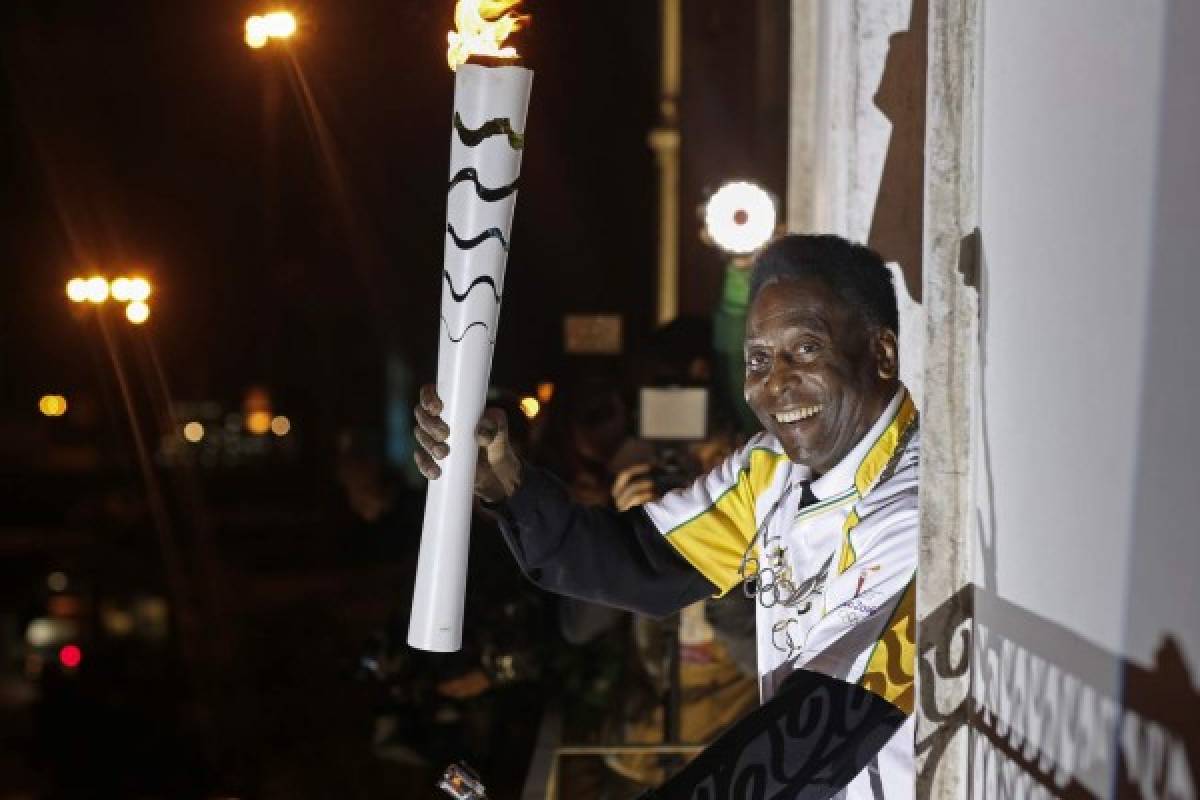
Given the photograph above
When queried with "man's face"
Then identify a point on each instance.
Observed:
(817, 376)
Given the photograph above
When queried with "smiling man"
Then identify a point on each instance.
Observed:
(816, 517)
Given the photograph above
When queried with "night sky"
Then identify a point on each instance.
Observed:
(292, 243)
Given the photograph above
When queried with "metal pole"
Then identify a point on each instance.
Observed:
(664, 140)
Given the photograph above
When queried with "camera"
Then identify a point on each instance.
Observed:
(670, 419)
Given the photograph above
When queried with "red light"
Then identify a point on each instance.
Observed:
(70, 656)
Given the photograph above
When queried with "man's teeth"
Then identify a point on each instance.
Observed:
(798, 414)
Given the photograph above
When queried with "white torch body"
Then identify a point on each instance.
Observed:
(487, 140)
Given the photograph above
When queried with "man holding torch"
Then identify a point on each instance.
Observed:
(816, 517)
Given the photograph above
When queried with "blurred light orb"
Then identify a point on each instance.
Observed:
(281, 425)
(740, 217)
(545, 392)
(77, 290)
(280, 24)
(193, 431)
(97, 289)
(275, 25)
(52, 405)
(256, 32)
(258, 422)
(137, 312)
(139, 290)
(57, 581)
(120, 289)
(530, 406)
(70, 656)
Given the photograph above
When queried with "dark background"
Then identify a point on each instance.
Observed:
(288, 207)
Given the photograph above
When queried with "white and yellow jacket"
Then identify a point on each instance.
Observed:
(832, 564)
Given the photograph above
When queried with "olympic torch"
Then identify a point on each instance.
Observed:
(491, 97)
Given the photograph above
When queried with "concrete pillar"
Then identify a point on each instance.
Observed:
(951, 268)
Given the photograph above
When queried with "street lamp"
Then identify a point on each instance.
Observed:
(133, 291)
(262, 28)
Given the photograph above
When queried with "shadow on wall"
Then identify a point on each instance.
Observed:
(1050, 714)
(897, 226)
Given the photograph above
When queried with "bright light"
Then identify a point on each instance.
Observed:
(42, 632)
(740, 217)
(193, 431)
(57, 581)
(77, 290)
(281, 425)
(120, 289)
(258, 422)
(530, 406)
(139, 290)
(97, 289)
(137, 312)
(482, 26)
(276, 25)
(70, 656)
(280, 24)
(545, 392)
(52, 405)
(256, 32)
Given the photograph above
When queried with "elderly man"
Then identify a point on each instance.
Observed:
(816, 517)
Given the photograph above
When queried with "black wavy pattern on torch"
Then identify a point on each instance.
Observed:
(469, 244)
(485, 193)
(460, 296)
(465, 330)
(471, 137)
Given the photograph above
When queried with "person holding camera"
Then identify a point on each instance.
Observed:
(816, 517)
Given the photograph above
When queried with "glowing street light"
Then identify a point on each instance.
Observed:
(281, 425)
(77, 290)
(193, 431)
(52, 405)
(139, 290)
(137, 312)
(276, 25)
(96, 289)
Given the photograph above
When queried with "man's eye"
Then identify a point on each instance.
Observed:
(756, 361)
(807, 348)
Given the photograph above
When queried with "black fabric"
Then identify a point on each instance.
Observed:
(807, 743)
(595, 553)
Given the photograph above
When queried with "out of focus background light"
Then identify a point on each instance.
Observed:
(281, 425)
(70, 656)
(57, 581)
(77, 290)
(740, 217)
(97, 289)
(52, 405)
(545, 392)
(193, 431)
(258, 422)
(530, 406)
(120, 289)
(276, 25)
(137, 312)
(139, 290)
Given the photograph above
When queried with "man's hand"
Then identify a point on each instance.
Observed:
(633, 487)
(497, 471)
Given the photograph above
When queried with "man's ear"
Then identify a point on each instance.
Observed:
(886, 350)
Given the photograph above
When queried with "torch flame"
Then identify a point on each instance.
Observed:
(482, 26)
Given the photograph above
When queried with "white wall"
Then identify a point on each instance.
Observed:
(1088, 548)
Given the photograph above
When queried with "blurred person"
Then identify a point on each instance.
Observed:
(817, 515)
(474, 704)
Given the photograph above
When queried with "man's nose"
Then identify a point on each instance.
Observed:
(782, 379)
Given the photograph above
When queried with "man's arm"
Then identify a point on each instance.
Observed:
(594, 553)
